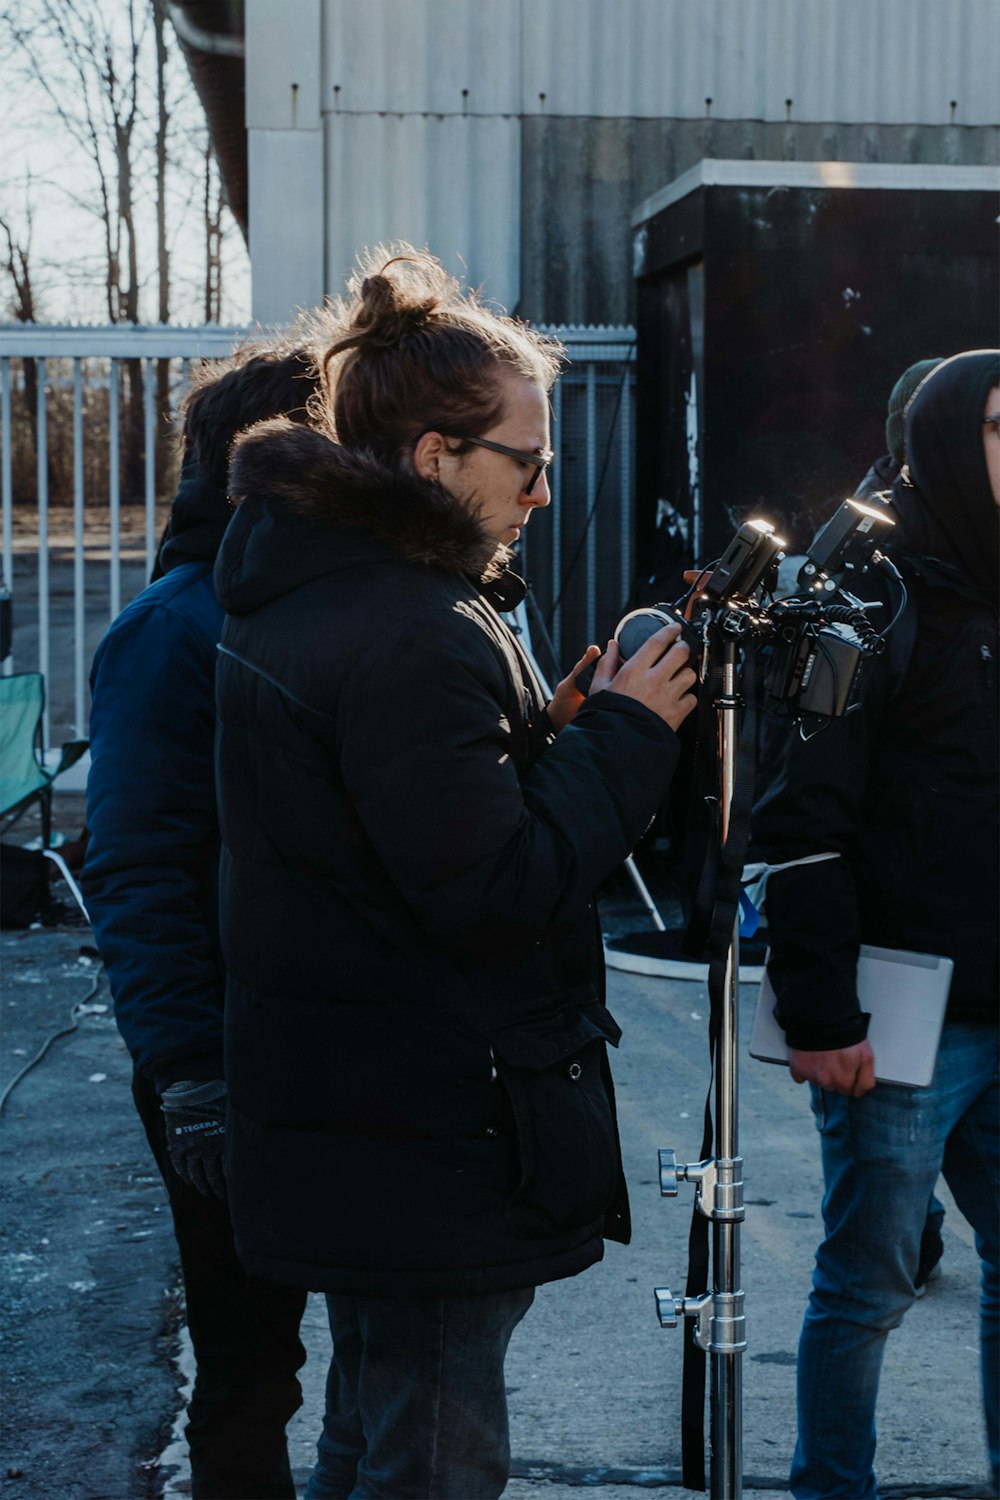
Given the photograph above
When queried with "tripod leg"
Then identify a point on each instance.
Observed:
(644, 895)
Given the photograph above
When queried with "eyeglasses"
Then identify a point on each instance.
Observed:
(541, 461)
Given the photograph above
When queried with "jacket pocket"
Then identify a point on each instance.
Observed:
(561, 1117)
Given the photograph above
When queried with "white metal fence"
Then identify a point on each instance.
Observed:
(72, 559)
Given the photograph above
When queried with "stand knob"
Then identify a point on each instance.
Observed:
(666, 1307)
(668, 1172)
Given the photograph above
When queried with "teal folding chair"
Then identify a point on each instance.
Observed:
(24, 777)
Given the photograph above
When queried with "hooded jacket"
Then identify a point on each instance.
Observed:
(905, 791)
(151, 873)
(415, 1027)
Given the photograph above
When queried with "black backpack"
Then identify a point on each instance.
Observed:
(24, 887)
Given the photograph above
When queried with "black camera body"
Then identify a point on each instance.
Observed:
(822, 672)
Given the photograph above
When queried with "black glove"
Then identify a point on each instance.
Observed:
(195, 1116)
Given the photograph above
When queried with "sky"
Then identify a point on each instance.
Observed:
(44, 173)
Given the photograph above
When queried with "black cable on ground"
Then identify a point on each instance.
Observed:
(74, 1016)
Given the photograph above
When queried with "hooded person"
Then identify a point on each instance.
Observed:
(947, 512)
(151, 883)
(422, 1117)
(900, 800)
(878, 485)
(882, 475)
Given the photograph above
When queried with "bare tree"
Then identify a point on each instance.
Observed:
(111, 79)
(108, 80)
(214, 203)
(162, 128)
(17, 264)
(104, 72)
(162, 250)
(90, 74)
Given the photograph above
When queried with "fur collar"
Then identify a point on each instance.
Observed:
(315, 477)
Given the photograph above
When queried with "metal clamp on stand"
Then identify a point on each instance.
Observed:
(670, 1309)
(719, 1184)
(729, 1323)
(719, 1319)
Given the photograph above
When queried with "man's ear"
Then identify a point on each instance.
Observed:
(427, 455)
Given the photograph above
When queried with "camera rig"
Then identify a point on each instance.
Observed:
(819, 644)
(821, 639)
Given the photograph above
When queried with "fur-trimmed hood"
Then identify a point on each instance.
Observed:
(325, 502)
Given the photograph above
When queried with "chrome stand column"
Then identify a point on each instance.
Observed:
(728, 1321)
(719, 1323)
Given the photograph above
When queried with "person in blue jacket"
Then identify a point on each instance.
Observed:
(151, 882)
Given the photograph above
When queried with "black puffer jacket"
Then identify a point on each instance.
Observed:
(415, 1027)
(905, 791)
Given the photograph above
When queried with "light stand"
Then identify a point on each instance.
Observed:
(719, 1319)
(820, 654)
(728, 1319)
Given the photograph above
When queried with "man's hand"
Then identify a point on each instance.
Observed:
(658, 675)
(567, 699)
(847, 1070)
(194, 1113)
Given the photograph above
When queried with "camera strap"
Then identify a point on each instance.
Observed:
(712, 923)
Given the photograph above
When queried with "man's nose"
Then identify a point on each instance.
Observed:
(540, 492)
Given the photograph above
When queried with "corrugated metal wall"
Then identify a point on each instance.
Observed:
(892, 61)
(418, 56)
(516, 136)
(440, 180)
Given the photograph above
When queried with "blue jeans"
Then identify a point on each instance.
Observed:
(416, 1403)
(881, 1158)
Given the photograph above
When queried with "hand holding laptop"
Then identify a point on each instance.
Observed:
(906, 995)
(845, 1070)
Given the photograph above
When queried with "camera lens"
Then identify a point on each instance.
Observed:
(636, 628)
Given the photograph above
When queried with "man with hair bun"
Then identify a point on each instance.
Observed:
(421, 1117)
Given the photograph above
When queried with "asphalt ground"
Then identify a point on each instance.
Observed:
(93, 1316)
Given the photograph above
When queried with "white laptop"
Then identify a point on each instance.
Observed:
(906, 994)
